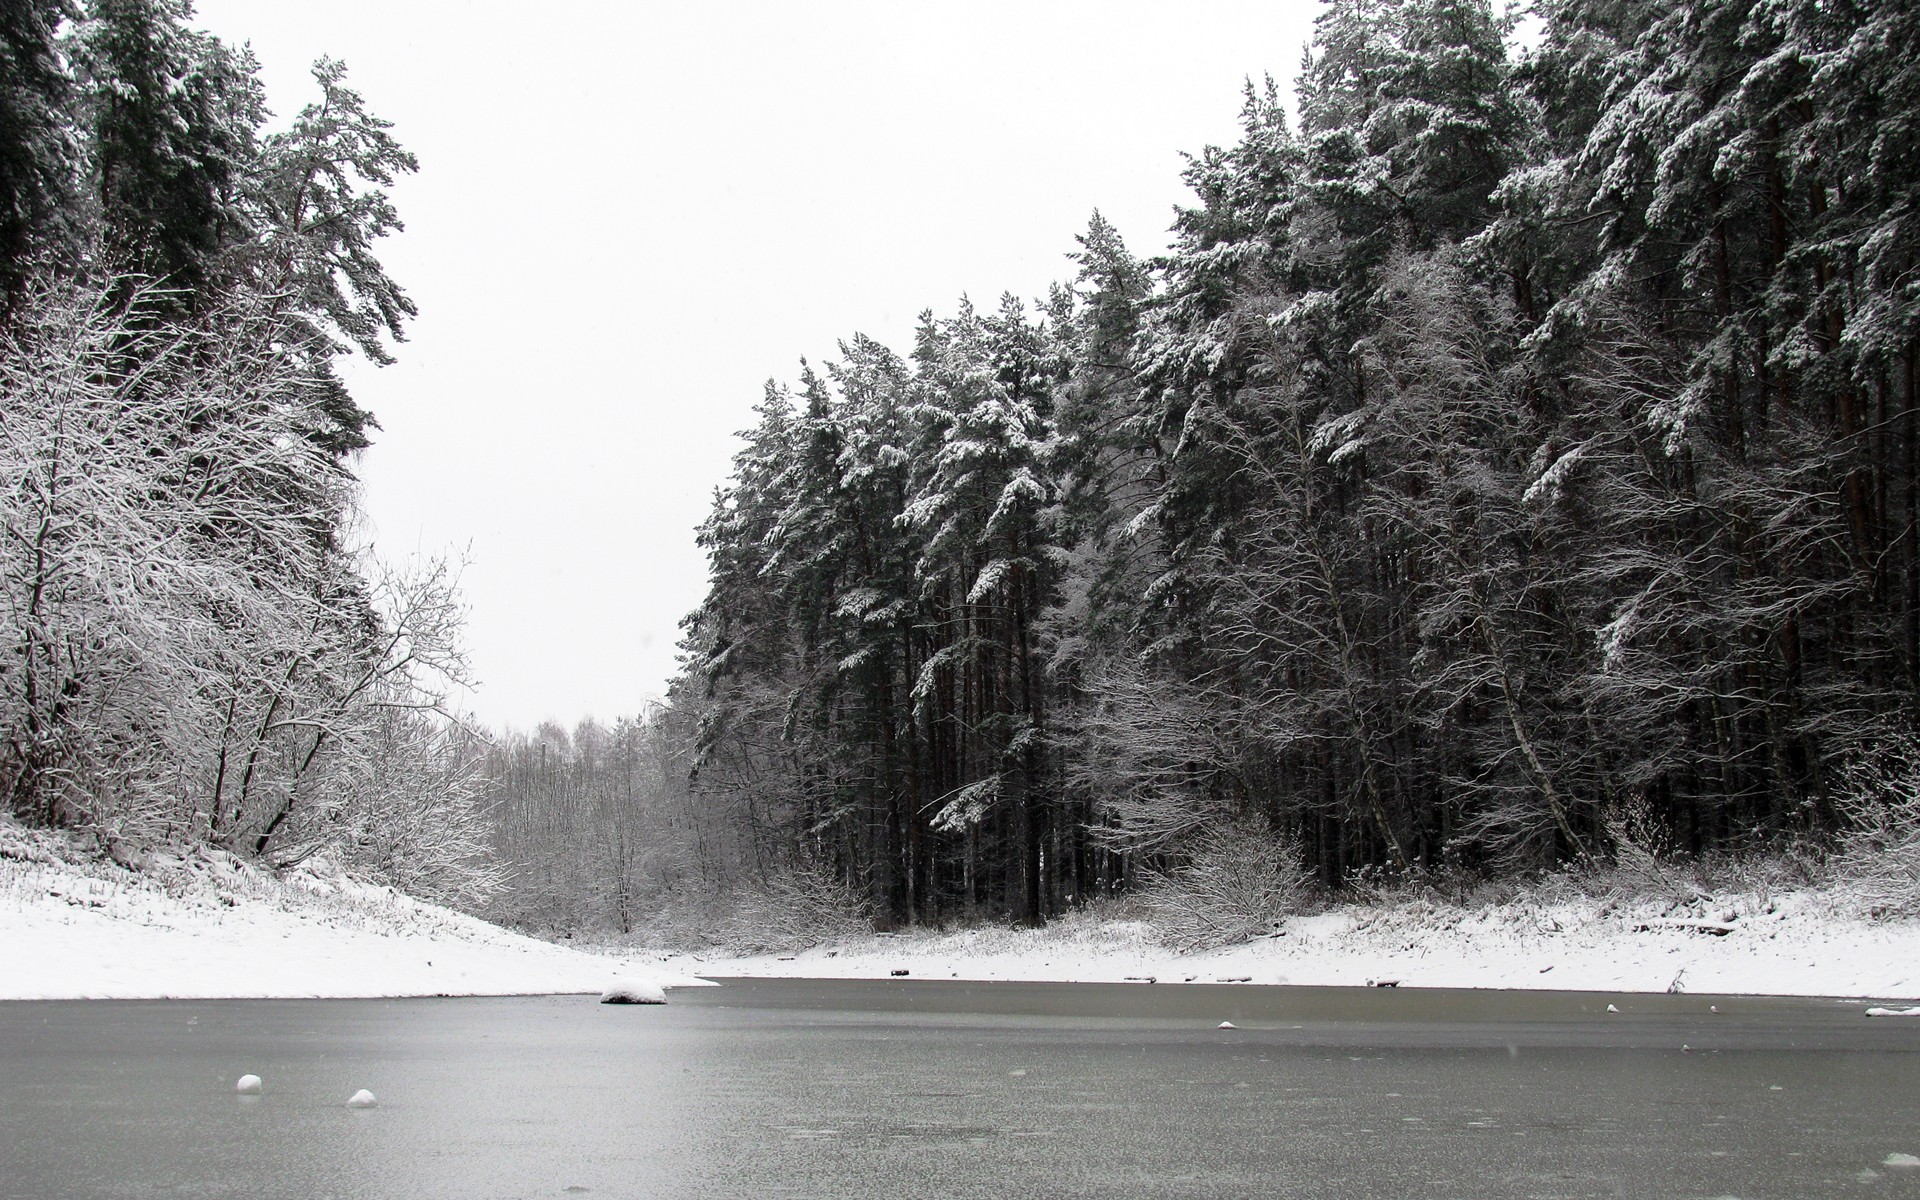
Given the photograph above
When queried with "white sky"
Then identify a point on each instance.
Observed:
(629, 215)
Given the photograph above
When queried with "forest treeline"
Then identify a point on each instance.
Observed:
(1515, 451)
(1516, 448)
(196, 648)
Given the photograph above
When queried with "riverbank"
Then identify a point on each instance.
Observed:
(207, 925)
(1801, 943)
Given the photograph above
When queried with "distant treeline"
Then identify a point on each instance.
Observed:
(1517, 447)
(192, 647)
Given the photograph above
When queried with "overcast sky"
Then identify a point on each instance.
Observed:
(630, 215)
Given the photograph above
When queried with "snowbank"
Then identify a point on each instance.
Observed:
(1804, 944)
(208, 925)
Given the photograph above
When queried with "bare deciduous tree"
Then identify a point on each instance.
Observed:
(193, 651)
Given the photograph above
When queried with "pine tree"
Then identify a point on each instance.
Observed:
(171, 118)
(317, 205)
(38, 172)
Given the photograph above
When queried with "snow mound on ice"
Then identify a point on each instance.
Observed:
(361, 1099)
(634, 991)
(248, 1085)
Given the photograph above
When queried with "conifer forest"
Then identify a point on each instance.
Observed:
(1518, 446)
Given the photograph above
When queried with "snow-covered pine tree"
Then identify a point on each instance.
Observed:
(171, 117)
(38, 172)
(317, 204)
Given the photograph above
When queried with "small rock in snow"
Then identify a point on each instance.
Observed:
(899, 971)
(633, 991)
(361, 1099)
(248, 1085)
(1900, 1160)
(1894, 1012)
(1226, 1025)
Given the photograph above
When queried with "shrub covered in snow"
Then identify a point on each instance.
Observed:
(790, 907)
(1879, 857)
(1236, 882)
(800, 905)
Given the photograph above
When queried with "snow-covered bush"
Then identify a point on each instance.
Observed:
(1642, 854)
(791, 907)
(1236, 882)
(1879, 853)
(416, 817)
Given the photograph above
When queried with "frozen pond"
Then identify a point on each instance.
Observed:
(929, 1089)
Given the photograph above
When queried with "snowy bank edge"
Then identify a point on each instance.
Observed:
(1805, 945)
(223, 930)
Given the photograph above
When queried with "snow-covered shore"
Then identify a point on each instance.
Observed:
(209, 926)
(1801, 943)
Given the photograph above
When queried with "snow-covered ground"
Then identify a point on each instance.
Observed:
(208, 925)
(1807, 944)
